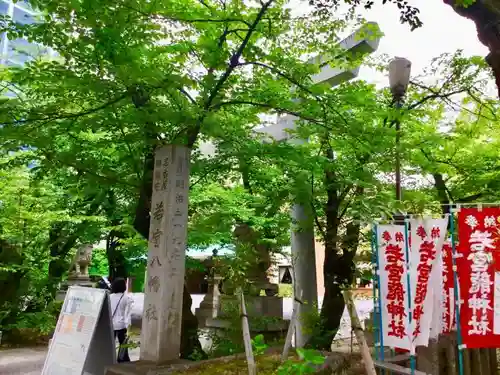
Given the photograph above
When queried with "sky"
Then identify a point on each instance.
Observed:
(419, 46)
(443, 31)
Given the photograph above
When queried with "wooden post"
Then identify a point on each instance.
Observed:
(451, 354)
(475, 361)
(485, 361)
(467, 362)
(358, 331)
(247, 340)
(291, 327)
(161, 323)
(428, 358)
(493, 360)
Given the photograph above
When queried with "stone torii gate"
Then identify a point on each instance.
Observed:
(303, 240)
(162, 317)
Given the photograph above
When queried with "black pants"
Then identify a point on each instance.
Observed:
(122, 352)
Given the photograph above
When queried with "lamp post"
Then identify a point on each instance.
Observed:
(399, 77)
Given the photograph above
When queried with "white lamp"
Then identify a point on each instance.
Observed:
(399, 76)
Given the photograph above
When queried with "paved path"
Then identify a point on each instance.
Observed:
(22, 361)
(29, 361)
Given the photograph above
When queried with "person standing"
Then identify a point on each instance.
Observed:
(121, 307)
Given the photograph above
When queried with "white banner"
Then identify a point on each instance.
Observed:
(439, 298)
(427, 238)
(393, 286)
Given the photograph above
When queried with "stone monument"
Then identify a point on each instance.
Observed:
(79, 271)
(80, 267)
(209, 307)
(163, 298)
(265, 312)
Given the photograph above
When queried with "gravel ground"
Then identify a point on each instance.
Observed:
(29, 361)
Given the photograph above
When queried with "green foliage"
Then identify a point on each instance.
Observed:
(28, 210)
(313, 325)
(285, 290)
(134, 250)
(310, 359)
(259, 346)
(229, 341)
(464, 3)
(99, 266)
(131, 76)
(194, 265)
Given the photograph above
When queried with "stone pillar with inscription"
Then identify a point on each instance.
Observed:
(162, 316)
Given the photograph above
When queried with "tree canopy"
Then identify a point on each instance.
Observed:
(79, 132)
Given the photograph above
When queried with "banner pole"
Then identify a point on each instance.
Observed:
(457, 297)
(377, 302)
(410, 334)
(374, 287)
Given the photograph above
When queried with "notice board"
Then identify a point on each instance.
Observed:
(83, 342)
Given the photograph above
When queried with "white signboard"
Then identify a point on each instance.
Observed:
(83, 341)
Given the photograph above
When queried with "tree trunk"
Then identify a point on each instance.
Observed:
(11, 260)
(338, 271)
(142, 218)
(333, 301)
(117, 262)
(445, 197)
(486, 15)
(338, 268)
(60, 244)
(190, 345)
(442, 192)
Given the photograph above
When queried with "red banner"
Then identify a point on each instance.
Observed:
(479, 276)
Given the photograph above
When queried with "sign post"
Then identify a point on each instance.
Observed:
(83, 342)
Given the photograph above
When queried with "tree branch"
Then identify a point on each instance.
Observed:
(280, 73)
(470, 198)
(186, 94)
(150, 16)
(269, 106)
(233, 62)
(315, 212)
(82, 169)
(49, 117)
(434, 95)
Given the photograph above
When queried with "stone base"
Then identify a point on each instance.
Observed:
(272, 331)
(208, 309)
(76, 281)
(203, 314)
(256, 306)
